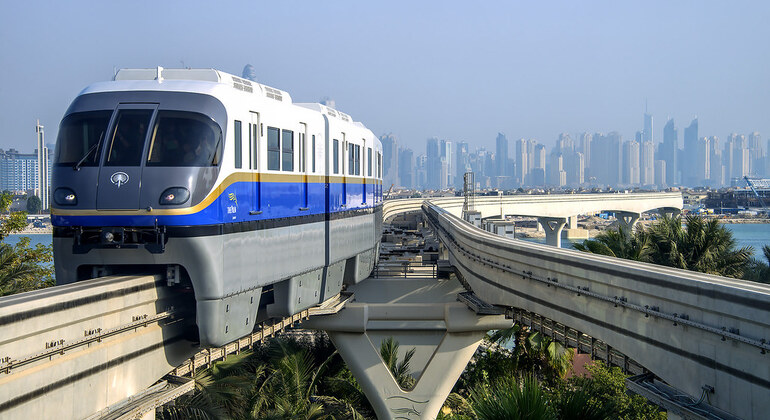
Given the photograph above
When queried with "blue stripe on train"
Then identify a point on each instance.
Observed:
(273, 200)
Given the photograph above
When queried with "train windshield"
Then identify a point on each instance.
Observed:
(79, 137)
(184, 139)
(127, 142)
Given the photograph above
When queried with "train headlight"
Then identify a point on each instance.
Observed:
(174, 196)
(65, 197)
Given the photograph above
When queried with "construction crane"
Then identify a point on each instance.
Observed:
(754, 190)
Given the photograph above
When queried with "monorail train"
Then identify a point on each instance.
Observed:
(220, 184)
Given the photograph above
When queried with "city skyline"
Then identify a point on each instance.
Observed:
(418, 70)
(596, 160)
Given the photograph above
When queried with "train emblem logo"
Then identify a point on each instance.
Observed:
(234, 199)
(119, 178)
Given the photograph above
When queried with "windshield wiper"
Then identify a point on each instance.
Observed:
(76, 166)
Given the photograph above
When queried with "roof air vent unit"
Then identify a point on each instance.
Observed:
(273, 93)
(331, 112)
(242, 84)
(345, 117)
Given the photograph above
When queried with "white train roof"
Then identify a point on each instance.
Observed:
(194, 80)
(204, 80)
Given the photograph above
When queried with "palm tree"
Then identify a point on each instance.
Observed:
(16, 275)
(577, 404)
(759, 270)
(401, 370)
(619, 243)
(704, 246)
(509, 400)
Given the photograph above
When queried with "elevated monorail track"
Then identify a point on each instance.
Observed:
(98, 348)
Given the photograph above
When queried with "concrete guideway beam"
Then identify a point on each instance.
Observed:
(550, 205)
(553, 227)
(423, 315)
(695, 331)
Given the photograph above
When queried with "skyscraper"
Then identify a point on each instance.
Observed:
(406, 168)
(631, 162)
(613, 158)
(462, 163)
(43, 181)
(647, 163)
(522, 162)
(756, 155)
(716, 167)
(669, 150)
(647, 132)
(389, 160)
(701, 163)
(18, 171)
(501, 155)
(585, 148)
(691, 176)
(432, 164)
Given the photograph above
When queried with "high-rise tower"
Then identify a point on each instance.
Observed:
(690, 170)
(669, 150)
(43, 181)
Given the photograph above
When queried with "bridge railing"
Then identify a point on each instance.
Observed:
(691, 329)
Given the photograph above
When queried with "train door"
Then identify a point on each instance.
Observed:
(254, 132)
(120, 175)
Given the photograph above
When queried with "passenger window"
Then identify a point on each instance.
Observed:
(184, 139)
(127, 142)
(238, 145)
(358, 160)
(336, 159)
(351, 159)
(255, 147)
(302, 152)
(313, 153)
(273, 149)
(287, 150)
(369, 162)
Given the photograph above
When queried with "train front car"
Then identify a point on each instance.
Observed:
(215, 182)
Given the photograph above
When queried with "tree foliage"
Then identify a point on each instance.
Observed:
(34, 205)
(284, 379)
(22, 267)
(698, 245)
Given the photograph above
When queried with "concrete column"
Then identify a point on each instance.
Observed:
(573, 220)
(553, 227)
(627, 220)
(670, 212)
(420, 314)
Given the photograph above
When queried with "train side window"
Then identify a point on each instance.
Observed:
(251, 149)
(255, 146)
(336, 159)
(358, 160)
(302, 152)
(369, 161)
(273, 149)
(182, 138)
(313, 153)
(238, 145)
(287, 150)
(351, 159)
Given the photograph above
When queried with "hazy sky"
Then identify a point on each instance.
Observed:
(456, 70)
